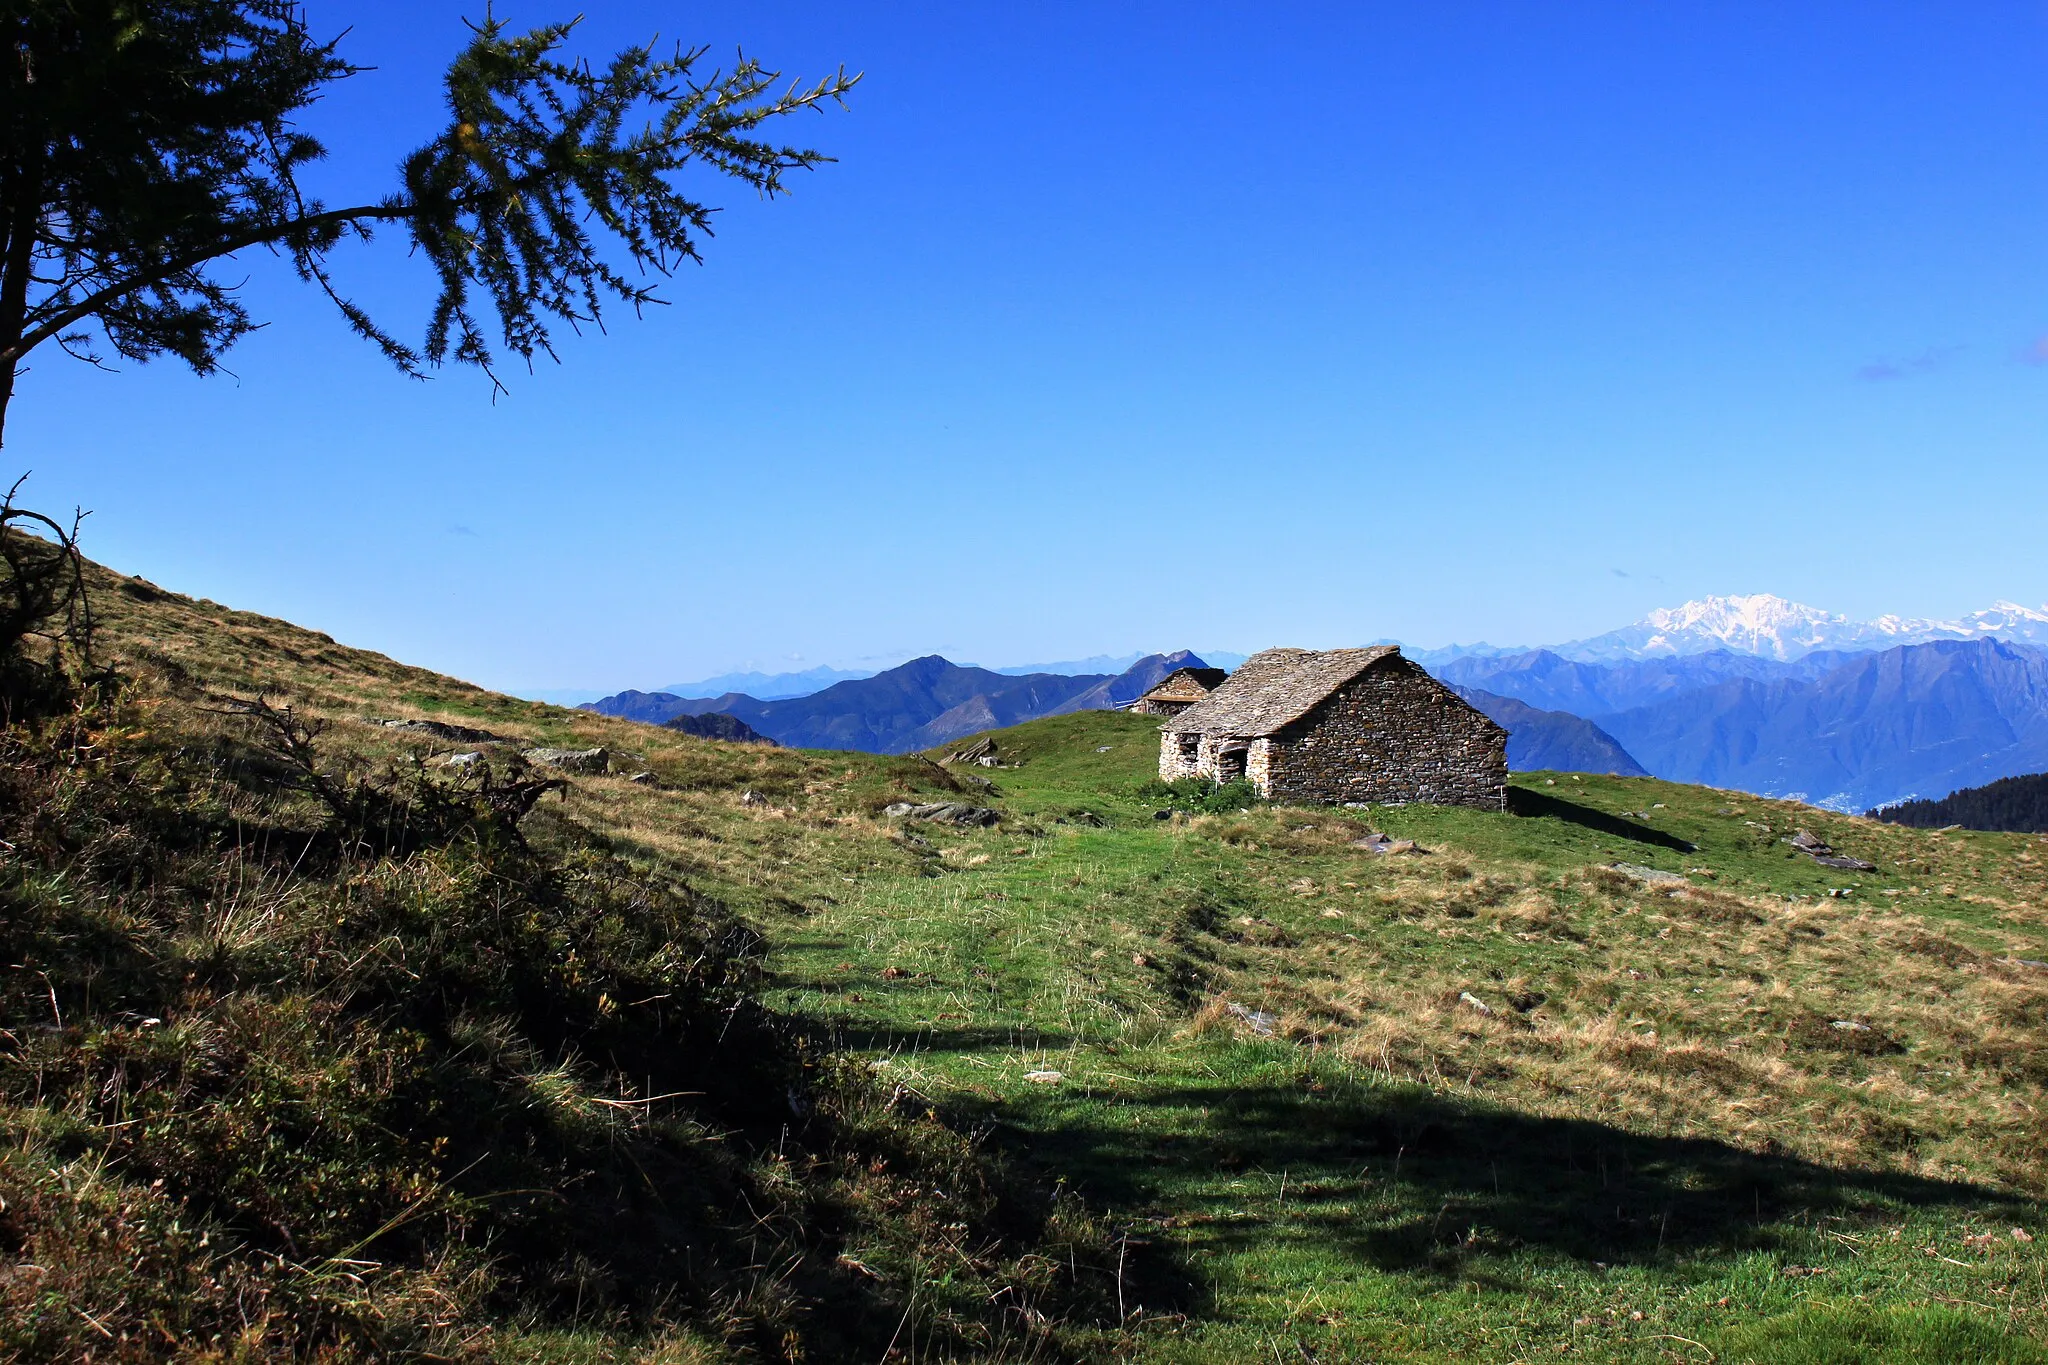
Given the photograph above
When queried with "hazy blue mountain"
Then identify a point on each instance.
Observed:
(1543, 678)
(1433, 659)
(1915, 721)
(768, 686)
(1134, 682)
(1101, 663)
(917, 705)
(1553, 740)
(659, 708)
(912, 706)
(1848, 730)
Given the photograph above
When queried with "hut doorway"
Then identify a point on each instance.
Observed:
(1230, 763)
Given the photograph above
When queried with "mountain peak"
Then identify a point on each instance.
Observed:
(1773, 627)
(1759, 623)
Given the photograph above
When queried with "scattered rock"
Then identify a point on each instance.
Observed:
(751, 797)
(462, 760)
(2022, 962)
(1078, 816)
(570, 760)
(977, 752)
(1103, 749)
(440, 729)
(1380, 843)
(644, 779)
(1849, 1025)
(1794, 1272)
(944, 812)
(1044, 1077)
(1471, 1001)
(1816, 848)
(1649, 876)
(1258, 1021)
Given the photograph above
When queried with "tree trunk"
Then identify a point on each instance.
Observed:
(21, 207)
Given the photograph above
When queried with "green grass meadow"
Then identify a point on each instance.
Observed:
(1297, 1186)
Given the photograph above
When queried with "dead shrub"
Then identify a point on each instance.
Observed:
(1856, 1036)
(1717, 907)
(1946, 951)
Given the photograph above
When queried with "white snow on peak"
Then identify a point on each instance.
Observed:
(1776, 628)
(1755, 624)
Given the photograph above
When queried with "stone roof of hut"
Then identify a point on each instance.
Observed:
(1209, 678)
(1274, 688)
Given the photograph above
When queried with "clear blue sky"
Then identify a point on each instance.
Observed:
(1151, 325)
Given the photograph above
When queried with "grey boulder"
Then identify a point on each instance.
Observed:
(570, 760)
(440, 729)
(943, 812)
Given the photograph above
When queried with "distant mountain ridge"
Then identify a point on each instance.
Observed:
(784, 686)
(767, 686)
(916, 705)
(1554, 740)
(1754, 692)
(1843, 730)
(1774, 628)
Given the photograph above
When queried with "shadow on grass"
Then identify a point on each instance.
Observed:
(911, 1038)
(1401, 1179)
(1523, 802)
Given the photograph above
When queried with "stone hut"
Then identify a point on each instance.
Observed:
(1340, 725)
(1178, 690)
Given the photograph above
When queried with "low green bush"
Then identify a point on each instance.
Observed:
(1200, 795)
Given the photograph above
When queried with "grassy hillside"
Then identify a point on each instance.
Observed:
(1486, 1100)
(317, 1048)
(1271, 1056)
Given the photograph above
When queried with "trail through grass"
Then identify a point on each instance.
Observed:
(1488, 1100)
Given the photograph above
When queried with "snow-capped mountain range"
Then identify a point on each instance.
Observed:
(1773, 628)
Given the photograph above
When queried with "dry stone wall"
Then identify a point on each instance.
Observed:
(1391, 734)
